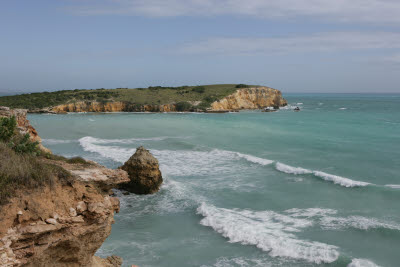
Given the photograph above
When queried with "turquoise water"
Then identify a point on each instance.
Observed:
(320, 187)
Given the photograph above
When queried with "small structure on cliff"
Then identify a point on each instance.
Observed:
(144, 173)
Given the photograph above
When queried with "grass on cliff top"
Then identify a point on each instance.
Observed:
(152, 96)
(18, 171)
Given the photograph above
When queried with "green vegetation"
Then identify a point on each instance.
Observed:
(14, 140)
(183, 106)
(77, 160)
(242, 86)
(199, 89)
(20, 162)
(154, 95)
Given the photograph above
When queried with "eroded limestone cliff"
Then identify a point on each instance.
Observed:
(245, 98)
(116, 106)
(250, 98)
(62, 224)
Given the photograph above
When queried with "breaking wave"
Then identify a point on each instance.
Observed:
(270, 231)
(174, 162)
(325, 218)
(342, 181)
(291, 170)
(346, 182)
(189, 162)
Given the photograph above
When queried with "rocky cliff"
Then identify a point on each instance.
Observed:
(251, 98)
(245, 98)
(116, 106)
(62, 224)
(23, 124)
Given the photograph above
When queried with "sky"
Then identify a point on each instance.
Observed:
(293, 45)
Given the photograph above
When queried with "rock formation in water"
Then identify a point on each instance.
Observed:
(144, 173)
(251, 98)
(23, 125)
(62, 224)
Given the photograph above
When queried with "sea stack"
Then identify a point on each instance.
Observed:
(144, 173)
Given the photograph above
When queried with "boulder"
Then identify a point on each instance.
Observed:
(144, 173)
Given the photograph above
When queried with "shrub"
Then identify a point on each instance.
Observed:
(19, 143)
(7, 128)
(77, 160)
(199, 89)
(241, 85)
(183, 106)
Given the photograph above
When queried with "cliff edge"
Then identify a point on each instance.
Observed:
(251, 98)
(63, 223)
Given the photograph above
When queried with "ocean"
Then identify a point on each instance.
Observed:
(319, 187)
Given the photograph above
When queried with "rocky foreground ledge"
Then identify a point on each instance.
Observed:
(65, 222)
(62, 224)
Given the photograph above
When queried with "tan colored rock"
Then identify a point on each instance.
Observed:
(112, 106)
(81, 207)
(72, 212)
(250, 98)
(51, 221)
(144, 173)
(111, 261)
(39, 239)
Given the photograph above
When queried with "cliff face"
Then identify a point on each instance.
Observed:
(62, 224)
(23, 124)
(250, 98)
(111, 107)
(246, 98)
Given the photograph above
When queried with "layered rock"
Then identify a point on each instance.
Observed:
(245, 98)
(144, 173)
(117, 106)
(250, 98)
(62, 224)
(23, 124)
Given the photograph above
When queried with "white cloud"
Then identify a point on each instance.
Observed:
(335, 41)
(380, 11)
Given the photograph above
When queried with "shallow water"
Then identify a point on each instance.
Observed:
(316, 187)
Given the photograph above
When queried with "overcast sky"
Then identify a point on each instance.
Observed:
(292, 45)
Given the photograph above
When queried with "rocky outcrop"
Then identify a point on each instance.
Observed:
(62, 224)
(144, 173)
(94, 106)
(250, 98)
(23, 125)
(245, 98)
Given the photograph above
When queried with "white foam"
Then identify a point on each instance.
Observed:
(358, 222)
(396, 186)
(291, 170)
(270, 231)
(346, 182)
(342, 108)
(254, 159)
(310, 212)
(361, 263)
(300, 103)
(118, 154)
(325, 219)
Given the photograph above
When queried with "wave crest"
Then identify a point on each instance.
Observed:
(270, 231)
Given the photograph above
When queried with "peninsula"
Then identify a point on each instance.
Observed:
(207, 98)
